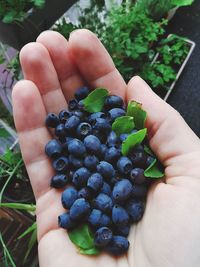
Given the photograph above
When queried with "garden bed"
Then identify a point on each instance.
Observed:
(178, 67)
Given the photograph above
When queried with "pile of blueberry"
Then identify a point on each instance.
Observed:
(102, 187)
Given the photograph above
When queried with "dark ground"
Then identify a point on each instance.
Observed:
(186, 94)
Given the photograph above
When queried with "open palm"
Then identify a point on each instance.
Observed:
(168, 234)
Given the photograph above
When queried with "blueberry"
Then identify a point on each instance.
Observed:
(103, 202)
(139, 191)
(65, 221)
(137, 176)
(124, 230)
(60, 164)
(135, 209)
(53, 148)
(91, 162)
(138, 158)
(85, 192)
(95, 182)
(124, 165)
(81, 105)
(83, 130)
(106, 189)
(92, 144)
(102, 125)
(103, 151)
(106, 169)
(72, 104)
(115, 113)
(102, 237)
(80, 114)
(64, 115)
(113, 101)
(119, 216)
(70, 175)
(52, 120)
(76, 148)
(112, 155)
(98, 219)
(75, 163)
(82, 93)
(122, 190)
(68, 197)
(59, 181)
(149, 161)
(100, 135)
(112, 139)
(118, 245)
(60, 130)
(80, 209)
(123, 137)
(71, 124)
(95, 217)
(80, 177)
(92, 118)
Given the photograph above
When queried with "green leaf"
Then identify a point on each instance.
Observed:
(4, 133)
(133, 140)
(19, 206)
(82, 237)
(153, 171)
(135, 110)
(94, 102)
(90, 251)
(148, 150)
(182, 2)
(32, 242)
(29, 230)
(123, 124)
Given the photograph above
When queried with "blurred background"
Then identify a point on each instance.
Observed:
(156, 39)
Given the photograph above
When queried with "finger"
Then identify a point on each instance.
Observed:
(68, 75)
(29, 115)
(94, 62)
(38, 68)
(169, 134)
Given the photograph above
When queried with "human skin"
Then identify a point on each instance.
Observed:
(168, 234)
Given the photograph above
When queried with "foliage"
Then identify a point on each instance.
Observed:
(172, 53)
(129, 40)
(94, 102)
(16, 10)
(159, 8)
(64, 27)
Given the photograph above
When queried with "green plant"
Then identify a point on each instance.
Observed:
(172, 53)
(16, 10)
(130, 40)
(159, 8)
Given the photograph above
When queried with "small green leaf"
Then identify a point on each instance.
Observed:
(82, 237)
(148, 150)
(135, 110)
(94, 102)
(90, 251)
(31, 243)
(153, 171)
(123, 124)
(133, 140)
(30, 229)
(182, 2)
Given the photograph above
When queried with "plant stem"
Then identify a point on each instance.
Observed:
(6, 252)
(9, 178)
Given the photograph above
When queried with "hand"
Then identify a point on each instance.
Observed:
(168, 234)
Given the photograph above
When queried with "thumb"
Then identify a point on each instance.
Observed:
(169, 135)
